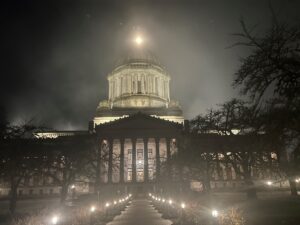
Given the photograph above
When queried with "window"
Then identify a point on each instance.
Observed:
(139, 87)
(133, 87)
(156, 85)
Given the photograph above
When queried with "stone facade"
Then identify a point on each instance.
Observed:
(138, 83)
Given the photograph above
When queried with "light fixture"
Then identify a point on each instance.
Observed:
(54, 220)
(215, 213)
(107, 204)
(170, 201)
(269, 183)
(139, 40)
(93, 208)
(182, 205)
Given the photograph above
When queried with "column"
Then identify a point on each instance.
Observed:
(168, 157)
(146, 172)
(168, 87)
(109, 89)
(157, 157)
(122, 160)
(133, 141)
(110, 159)
(168, 148)
(98, 165)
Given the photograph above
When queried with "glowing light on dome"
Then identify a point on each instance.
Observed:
(139, 40)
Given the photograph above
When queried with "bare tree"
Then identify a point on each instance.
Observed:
(19, 159)
(65, 162)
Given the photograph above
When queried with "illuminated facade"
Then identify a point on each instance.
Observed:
(138, 83)
(138, 126)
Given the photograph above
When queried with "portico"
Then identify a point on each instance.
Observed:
(132, 150)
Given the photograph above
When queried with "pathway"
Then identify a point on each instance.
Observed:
(140, 212)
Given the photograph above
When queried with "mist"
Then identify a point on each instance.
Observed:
(58, 53)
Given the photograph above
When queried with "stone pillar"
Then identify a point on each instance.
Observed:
(133, 141)
(157, 155)
(146, 172)
(168, 157)
(110, 159)
(98, 165)
(168, 148)
(122, 160)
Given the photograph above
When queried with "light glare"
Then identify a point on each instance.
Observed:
(93, 208)
(182, 205)
(138, 40)
(214, 213)
(54, 220)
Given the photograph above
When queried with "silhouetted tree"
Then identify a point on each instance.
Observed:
(18, 161)
(274, 61)
(65, 162)
(273, 66)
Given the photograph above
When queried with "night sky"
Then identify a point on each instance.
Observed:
(56, 54)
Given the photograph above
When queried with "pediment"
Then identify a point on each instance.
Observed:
(139, 121)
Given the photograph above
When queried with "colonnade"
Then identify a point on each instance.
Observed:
(139, 84)
(109, 145)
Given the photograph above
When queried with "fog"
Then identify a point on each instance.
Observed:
(58, 53)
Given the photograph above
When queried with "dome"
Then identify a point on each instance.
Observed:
(138, 56)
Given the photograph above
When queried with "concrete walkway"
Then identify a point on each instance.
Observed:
(140, 212)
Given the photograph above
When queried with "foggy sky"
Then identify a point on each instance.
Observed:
(57, 54)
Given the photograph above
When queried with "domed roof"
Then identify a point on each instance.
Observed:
(138, 55)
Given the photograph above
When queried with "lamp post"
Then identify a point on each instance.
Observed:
(106, 208)
(182, 216)
(73, 192)
(92, 210)
(170, 202)
(214, 214)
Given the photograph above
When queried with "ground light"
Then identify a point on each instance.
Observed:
(269, 183)
(93, 208)
(54, 220)
(182, 205)
(215, 213)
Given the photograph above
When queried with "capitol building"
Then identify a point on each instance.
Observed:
(138, 127)
(133, 135)
(138, 83)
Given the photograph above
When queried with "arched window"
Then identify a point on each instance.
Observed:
(139, 87)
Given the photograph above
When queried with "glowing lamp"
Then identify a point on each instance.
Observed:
(182, 205)
(93, 208)
(214, 213)
(54, 220)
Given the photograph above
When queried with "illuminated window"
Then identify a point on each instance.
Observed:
(139, 87)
